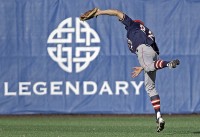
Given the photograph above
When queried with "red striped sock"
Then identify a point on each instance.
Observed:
(159, 64)
(155, 101)
(156, 104)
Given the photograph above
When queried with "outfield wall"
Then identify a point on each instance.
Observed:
(51, 62)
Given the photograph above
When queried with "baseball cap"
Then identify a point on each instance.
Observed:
(139, 21)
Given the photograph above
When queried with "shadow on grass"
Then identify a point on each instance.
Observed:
(197, 132)
(183, 132)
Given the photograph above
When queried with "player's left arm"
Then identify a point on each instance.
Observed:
(136, 71)
(111, 12)
(126, 20)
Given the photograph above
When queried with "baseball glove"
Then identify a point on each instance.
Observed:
(88, 15)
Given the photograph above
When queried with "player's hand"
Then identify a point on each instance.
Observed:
(89, 14)
(136, 71)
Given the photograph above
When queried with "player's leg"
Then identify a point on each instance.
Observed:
(154, 97)
(151, 91)
(148, 59)
(159, 64)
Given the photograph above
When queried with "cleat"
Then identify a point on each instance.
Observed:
(173, 63)
(160, 124)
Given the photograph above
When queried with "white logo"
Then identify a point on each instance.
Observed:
(61, 49)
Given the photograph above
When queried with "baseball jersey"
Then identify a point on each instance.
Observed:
(138, 34)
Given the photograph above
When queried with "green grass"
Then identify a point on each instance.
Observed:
(97, 126)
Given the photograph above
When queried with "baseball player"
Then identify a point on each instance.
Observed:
(141, 42)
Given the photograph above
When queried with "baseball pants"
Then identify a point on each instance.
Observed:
(146, 57)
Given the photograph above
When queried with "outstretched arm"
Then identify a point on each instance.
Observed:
(110, 12)
(96, 12)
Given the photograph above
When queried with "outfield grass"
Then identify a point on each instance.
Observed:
(97, 126)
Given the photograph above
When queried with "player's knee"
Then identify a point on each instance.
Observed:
(149, 87)
(151, 90)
